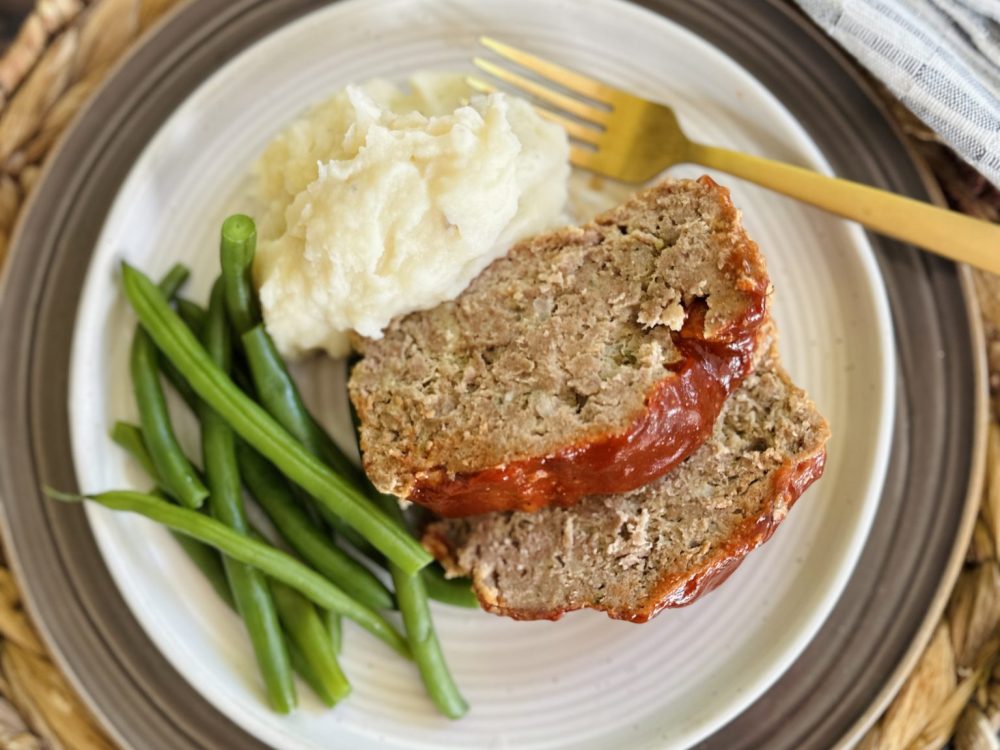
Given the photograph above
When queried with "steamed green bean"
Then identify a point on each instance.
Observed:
(411, 597)
(236, 251)
(209, 562)
(454, 591)
(277, 393)
(174, 279)
(253, 596)
(261, 431)
(193, 315)
(334, 626)
(323, 680)
(129, 437)
(307, 630)
(176, 472)
(274, 495)
(274, 387)
(271, 561)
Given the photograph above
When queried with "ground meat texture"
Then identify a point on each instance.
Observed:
(664, 545)
(589, 360)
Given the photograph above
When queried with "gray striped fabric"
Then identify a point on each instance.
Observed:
(940, 57)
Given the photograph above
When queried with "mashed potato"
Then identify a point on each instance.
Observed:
(381, 202)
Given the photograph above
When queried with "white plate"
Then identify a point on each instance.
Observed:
(586, 681)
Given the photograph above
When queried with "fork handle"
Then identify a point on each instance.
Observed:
(939, 230)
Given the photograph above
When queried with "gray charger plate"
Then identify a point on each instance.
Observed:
(875, 633)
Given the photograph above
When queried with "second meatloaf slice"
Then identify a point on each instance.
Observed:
(663, 545)
(588, 360)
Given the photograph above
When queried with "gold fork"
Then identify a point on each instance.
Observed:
(630, 139)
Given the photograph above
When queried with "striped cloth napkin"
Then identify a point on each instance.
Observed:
(941, 58)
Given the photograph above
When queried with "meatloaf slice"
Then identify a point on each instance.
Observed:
(589, 360)
(665, 545)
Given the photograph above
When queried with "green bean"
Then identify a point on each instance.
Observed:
(320, 513)
(274, 495)
(209, 562)
(280, 398)
(271, 561)
(301, 665)
(176, 472)
(170, 285)
(236, 251)
(307, 631)
(250, 588)
(174, 377)
(312, 645)
(411, 597)
(174, 279)
(193, 315)
(454, 591)
(278, 394)
(261, 431)
(276, 389)
(314, 510)
(335, 628)
(129, 437)
(424, 645)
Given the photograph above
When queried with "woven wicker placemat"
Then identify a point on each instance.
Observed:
(66, 47)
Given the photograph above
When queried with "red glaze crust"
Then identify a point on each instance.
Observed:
(678, 417)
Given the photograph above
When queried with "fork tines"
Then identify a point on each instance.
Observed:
(590, 119)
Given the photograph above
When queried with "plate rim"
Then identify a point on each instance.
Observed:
(981, 414)
(16, 246)
(814, 617)
(894, 683)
